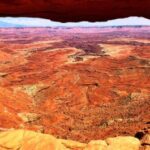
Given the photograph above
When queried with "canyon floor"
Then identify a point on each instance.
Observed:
(75, 83)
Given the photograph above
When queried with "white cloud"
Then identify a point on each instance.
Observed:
(39, 22)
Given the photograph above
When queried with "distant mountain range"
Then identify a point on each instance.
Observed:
(39, 22)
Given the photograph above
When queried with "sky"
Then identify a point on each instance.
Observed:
(39, 22)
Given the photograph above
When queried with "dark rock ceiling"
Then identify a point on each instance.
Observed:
(75, 10)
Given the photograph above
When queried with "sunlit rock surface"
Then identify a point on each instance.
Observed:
(22, 139)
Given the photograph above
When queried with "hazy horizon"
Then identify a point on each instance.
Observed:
(40, 22)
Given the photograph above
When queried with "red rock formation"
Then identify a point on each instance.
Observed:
(75, 10)
(73, 83)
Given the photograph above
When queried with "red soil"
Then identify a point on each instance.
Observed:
(79, 88)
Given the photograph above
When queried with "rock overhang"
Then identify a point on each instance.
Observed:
(73, 11)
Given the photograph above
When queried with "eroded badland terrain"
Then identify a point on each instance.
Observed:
(80, 84)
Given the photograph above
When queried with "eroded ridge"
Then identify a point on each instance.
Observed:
(75, 84)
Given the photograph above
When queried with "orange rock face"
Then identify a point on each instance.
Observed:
(76, 83)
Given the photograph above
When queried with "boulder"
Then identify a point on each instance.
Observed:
(28, 117)
(123, 143)
(146, 140)
(25, 140)
(96, 145)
